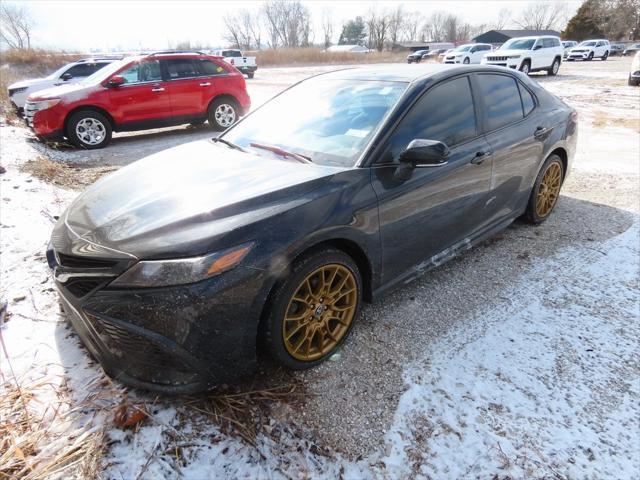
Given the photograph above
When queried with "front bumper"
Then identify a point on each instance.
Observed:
(513, 63)
(172, 340)
(578, 55)
(47, 124)
(245, 69)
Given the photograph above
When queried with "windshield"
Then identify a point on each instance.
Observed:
(420, 52)
(105, 72)
(519, 44)
(231, 53)
(588, 44)
(463, 48)
(329, 121)
(58, 73)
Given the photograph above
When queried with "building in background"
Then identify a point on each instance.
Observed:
(498, 37)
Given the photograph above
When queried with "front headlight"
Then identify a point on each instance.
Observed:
(181, 271)
(44, 104)
(514, 56)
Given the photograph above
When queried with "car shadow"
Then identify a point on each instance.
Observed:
(351, 399)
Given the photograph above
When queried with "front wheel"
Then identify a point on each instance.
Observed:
(590, 57)
(223, 113)
(546, 190)
(525, 67)
(89, 129)
(250, 75)
(466, 61)
(312, 311)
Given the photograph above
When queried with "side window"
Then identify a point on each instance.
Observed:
(547, 42)
(182, 68)
(528, 103)
(485, 47)
(446, 113)
(501, 99)
(80, 70)
(209, 68)
(148, 71)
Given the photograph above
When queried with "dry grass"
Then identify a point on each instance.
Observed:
(316, 56)
(44, 439)
(65, 175)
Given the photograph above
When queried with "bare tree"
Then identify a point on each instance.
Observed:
(411, 26)
(503, 18)
(16, 26)
(243, 29)
(327, 28)
(378, 29)
(288, 23)
(543, 16)
(396, 25)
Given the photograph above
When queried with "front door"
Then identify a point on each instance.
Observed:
(143, 100)
(438, 207)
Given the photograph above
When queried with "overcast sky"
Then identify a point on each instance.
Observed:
(150, 24)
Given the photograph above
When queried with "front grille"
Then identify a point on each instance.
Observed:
(81, 287)
(497, 59)
(30, 110)
(141, 354)
(13, 91)
(84, 262)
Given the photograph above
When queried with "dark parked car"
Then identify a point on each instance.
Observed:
(416, 57)
(616, 49)
(631, 49)
(173, 270)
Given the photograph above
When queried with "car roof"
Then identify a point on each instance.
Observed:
(405, 73)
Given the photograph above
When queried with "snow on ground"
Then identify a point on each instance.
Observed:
(543, 381)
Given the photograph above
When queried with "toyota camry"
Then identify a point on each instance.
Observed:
(178, 268)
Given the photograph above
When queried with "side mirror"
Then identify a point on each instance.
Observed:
(115, 81)
(421, 153)
(66, 76)
(537, 47)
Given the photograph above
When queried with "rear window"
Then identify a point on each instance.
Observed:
(210, 68)
(528, 103)
(501, 99)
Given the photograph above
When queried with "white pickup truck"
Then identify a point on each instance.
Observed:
(246, 65)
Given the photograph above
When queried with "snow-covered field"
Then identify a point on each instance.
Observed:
(519, 359)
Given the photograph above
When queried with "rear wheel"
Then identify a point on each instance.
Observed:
(311, 313)
(89, 129)
(223, 112)
(525, 67)
(554, 67)
(546, 190)
(605, 56)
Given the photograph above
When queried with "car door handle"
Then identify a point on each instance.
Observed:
(158, 89)
(480, 157)
(541, 132)
(205, 84)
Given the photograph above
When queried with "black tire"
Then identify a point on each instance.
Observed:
(553, 70)
(525, 67)
(590, 57)
(271, 331)
(466, 61)
(101, 129)
(605, 56)
(250, 74)
(531, 214)
(217, 121)
(633, 82)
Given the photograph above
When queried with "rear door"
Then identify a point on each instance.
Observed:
(143, 100)
(509, 119)
(437, 207)
(184, 80)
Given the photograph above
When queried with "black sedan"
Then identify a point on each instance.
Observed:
(175, 269)
(416, 56)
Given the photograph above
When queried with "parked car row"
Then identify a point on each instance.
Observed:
(137, 93)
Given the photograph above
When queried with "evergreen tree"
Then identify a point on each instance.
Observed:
(353, 32)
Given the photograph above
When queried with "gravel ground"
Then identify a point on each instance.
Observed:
(354, 399)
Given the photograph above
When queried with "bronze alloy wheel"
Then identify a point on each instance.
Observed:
(320, 312)
(549, 189)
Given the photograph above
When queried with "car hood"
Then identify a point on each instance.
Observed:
(581, 49)
(186, 200)
(28, 83)
(69, 90)
(506, 53)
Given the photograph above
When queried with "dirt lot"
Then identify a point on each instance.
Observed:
(518, 359)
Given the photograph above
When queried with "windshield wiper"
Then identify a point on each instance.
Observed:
(229, 144)
(282, 152)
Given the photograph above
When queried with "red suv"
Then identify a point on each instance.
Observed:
(151, 91)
